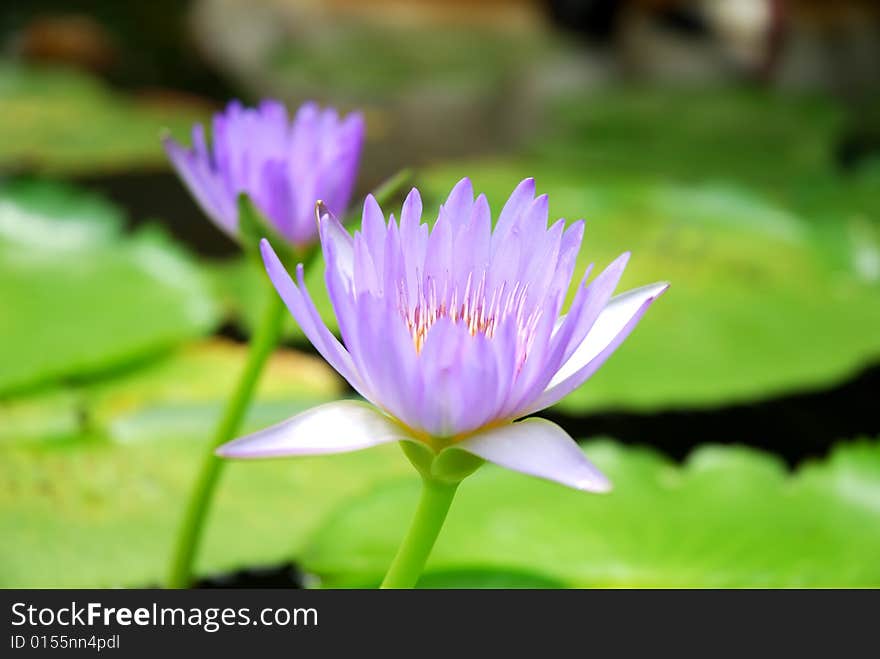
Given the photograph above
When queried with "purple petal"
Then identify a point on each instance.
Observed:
(411, 214)
(539, 448)
(284, 166)
(536, 216)
(332, 232)
(568, 252)
(388, 359)
(459, 204)
(338, 427)
(202, 184)
(594, 298)
(520, 200)
(275, 198)
(303, 310)
(374, 228)
(457, 369)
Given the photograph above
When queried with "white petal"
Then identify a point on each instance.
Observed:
(539, 448)
(337, 427)
(613, 319)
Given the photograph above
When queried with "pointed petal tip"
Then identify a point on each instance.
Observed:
(235, 448)
(651, 291)
(173, 149)
(338, 427)
(320, 210)
(266, 251)
(595, 482)
(371, 203)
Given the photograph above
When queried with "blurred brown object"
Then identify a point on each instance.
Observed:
(831, 45)
(72, 39)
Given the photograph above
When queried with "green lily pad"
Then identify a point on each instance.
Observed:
(80, 298)
(97, 513)
(730, 517)
(65, 122)
(95, 476)
(761, 138)
(757, 306)
(181, 394)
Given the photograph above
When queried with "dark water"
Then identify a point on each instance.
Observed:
(285, 575)
(795, 427)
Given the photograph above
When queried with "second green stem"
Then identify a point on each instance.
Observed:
(262, 344)
(407, 566)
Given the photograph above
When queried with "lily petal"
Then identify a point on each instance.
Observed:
(302, 308)
(539, 448)
(337, 427)
(332, 231)
(612, 326)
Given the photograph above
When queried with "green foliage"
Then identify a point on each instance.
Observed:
(757, 137)
(730, 517)
(100, 513)
(94, 476)
(79, 297)
(65, 122)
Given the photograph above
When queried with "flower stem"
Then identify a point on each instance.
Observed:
(262, 344)
(430, 514)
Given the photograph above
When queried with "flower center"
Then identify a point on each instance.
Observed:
(473, 306)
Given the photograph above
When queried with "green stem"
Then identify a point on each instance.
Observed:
(430, 514)
(262, 344)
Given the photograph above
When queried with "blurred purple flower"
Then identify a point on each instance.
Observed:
(454, 333)
(284, 166)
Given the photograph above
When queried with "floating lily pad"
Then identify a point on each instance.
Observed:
(757, 137)
(757, 306)
(66, 122)
(80, 298)
(97, 513)
(94, 479)
(181, 394)
(730, 517)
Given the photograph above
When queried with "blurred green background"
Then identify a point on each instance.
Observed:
(734, 148)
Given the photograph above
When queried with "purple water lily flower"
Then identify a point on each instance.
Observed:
(455, 333)
(284, 166)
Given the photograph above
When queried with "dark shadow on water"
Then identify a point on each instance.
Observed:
(158, 197)
(794, 427)
(286, 575)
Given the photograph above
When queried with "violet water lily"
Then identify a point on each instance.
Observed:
(283, 165)
(451, 335)
(259, 157)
